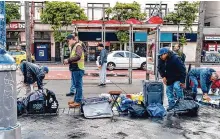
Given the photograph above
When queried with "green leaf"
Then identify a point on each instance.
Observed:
(12, 12)
(59, 14)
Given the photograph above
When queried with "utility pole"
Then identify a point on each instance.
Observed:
(200, 33)
(27, 30)
(32, 28)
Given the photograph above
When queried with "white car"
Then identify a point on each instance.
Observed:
(120, 60)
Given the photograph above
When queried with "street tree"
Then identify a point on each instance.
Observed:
(184, 13)
(12, 12)
(123, 12)
(61, 14)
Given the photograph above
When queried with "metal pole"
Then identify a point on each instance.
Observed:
(2, 25)
(200, 33)
(147, 74)
(130, 68)
(104, 33)
(132, 48)
(27, 30)
(156, 51)
(9, 128)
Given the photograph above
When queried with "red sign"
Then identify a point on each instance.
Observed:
(16, 25)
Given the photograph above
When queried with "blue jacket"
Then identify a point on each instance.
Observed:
(32, 73)
(103, 57)
(173, 69)
(204, 75)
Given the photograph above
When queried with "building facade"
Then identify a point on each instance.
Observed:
(45, 48)
(211, 32)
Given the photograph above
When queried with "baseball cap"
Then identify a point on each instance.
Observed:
(100, 45)
(71, 36)
(163, 51)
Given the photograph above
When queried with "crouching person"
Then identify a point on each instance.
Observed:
(33, 73)
(173, 72)
(206, 76)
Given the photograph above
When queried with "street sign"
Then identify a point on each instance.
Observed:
(2, 25)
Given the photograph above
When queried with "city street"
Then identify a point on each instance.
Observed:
(73, 126)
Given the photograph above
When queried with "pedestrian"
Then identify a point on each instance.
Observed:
(33, 73)
(179, 52)
(173, 72)
(73, 87)
(102, 64)
(206, 76)
(76, 66)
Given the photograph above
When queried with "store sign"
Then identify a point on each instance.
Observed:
(17, 25)
(212, 38)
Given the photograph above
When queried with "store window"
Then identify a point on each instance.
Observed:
(151, 8)
(96, 11)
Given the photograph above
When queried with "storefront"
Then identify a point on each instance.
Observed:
(212, 43)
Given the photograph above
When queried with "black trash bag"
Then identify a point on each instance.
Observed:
(186, 108)
(20, 107)
(137, 111)
(189, 95)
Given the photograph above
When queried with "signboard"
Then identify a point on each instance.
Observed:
(212, 38)
(151, 46)
(14, 25)
(2, 25)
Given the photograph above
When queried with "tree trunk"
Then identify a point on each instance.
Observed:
(178, 31)
(27, 31)
(200, 33)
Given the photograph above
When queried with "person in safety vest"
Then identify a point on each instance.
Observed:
(76, 67)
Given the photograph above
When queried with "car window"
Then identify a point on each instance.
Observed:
(22, 53)
(133, 55)
(119, 54)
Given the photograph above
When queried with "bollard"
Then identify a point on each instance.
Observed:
(9, 128)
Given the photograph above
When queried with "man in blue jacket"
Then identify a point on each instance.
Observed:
(173, 72)
(206, 76)
(33, 73)
(102, 64)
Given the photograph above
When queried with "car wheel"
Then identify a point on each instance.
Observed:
(111, 66)
(144, 66)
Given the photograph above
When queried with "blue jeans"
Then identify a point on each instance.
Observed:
(170, 92)
(195, 83)
(78, 76)
(73, 82)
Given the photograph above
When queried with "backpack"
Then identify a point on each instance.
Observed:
(52, 104)
(36, 102)
(137, 111)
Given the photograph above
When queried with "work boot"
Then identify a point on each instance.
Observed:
(74, 105)
(70, 102)
(69, 94)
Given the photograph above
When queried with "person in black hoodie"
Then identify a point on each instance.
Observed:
(173, 72)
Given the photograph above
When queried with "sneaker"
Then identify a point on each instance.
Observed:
(70, 94)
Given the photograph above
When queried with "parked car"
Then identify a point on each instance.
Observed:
(20, 56)
(120, 60)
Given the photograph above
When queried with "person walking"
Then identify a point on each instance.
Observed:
(33, 73)
(102, 64)
(179, 52)
(173, 72)
(76, 66)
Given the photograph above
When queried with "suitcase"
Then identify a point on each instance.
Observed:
(153, 92)
(96, 108)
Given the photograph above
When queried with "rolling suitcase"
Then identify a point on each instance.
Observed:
(96, 108)
(153, 92)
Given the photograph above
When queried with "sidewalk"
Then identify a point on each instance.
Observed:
(91, 88)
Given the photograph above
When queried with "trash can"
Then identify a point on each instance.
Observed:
(9, 128)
